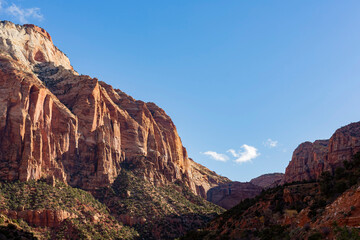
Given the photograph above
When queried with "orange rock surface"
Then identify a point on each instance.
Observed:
(309, 160)
(79, 129)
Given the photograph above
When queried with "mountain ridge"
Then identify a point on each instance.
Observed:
(309, 159)
(61, 126)
(317, 199)
(146, 125)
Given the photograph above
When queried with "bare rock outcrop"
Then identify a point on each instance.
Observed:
(29, 45)
(40, 218)
(54, 122)
(345, 210)
(230, 194)
(309, 160)
(268, 180)
(39, 134)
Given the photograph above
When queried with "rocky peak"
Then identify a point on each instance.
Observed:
(309, 160)
(30, 45)
(40, 30)
(77, 128)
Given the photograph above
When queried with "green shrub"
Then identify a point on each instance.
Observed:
(344, 233)
(315, 236)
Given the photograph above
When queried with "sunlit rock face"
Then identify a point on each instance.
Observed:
(54, 122)
(309, 160)
(29, 45)
(39, 135)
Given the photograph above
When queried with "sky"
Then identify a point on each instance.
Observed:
(245, 82)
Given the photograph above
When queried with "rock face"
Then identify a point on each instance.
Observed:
(229, 194)
(309, 160)
(39, 135)
(43, 218)
(345, 210)
(54, 122)
(29, 45)
(268, 180)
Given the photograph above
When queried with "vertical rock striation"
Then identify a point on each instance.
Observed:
(309, 160)
(39, 134)
(54, 122)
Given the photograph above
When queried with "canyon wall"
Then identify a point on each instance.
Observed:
(309, 160)
(55, 122)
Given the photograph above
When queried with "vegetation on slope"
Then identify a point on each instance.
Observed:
(282, 212)
(15, 229)
(84, 216)
(163, 212)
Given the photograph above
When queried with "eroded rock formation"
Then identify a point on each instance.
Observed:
(54, 122)
(42, 218)
(309, 160)
(230, 194)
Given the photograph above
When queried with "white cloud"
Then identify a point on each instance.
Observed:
(232, 152)
(216, 156)
(21, 14)
(271, 143)
(245, 155)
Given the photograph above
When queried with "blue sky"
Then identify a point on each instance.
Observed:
(253, 77)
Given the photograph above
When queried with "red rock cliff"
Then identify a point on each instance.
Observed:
(309, 160)
(228, 195)
(39, 135)
(79, 129)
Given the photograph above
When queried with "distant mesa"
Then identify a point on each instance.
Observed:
(268, 180)
(227, 195)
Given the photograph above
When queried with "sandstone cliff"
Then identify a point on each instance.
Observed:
(268, 180)
(29, 45)
(325, 209)
(61, 126)
(39, 135)
(79, 129)
(309, 160)
(228, 195)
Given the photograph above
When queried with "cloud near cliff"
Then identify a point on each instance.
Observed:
(19, 13)
(216, 156)
(271, 143)
(246, 154)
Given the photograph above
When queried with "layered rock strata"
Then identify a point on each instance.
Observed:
(309, 160)
(54, 122)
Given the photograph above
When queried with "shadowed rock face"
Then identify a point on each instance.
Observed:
(228, 195)
(54, 122)
(268, 180)
(309, 160)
